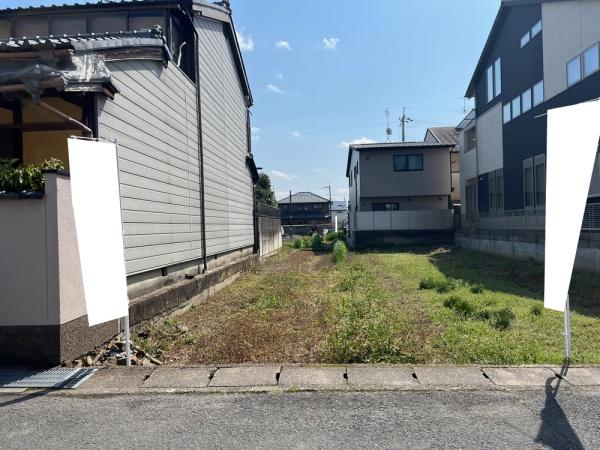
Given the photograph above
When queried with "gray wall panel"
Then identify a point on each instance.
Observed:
(154, 118)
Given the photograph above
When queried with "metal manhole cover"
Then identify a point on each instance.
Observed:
(57, 378)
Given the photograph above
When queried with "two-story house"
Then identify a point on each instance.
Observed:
(540, 55)
(304, 212)
(166, 80)
(398, 189)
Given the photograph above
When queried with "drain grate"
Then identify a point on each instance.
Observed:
(57, 378)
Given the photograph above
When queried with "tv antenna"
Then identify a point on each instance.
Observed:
(388, 130)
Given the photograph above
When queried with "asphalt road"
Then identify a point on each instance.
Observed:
(421, 419)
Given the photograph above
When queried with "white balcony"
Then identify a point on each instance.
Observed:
(414, 220)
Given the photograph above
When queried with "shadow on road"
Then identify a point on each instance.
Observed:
(556, 431)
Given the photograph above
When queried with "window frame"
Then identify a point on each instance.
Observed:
(526, 38)
(534, 30)
(506, 117)
(420, 155)
(527, 94)
(533, 92)
(578, 59)
(514, 113)
(595, 46)
(497, 77)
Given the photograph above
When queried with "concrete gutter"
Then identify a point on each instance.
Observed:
(294, 378)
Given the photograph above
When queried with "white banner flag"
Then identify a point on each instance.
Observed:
(97, 209)
(573, 134)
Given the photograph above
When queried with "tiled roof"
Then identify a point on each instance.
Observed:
(445, 135)
(51, 5)
(86, 42)
(339, 205)
(304, 197)
(392, 145)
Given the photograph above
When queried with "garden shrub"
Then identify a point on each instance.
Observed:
(317, 242)
(340, 252)
(503, 319)
(477, 288)
(460, 306)
(536, 310)
(298, 243)
(25, 179)
(441, 285)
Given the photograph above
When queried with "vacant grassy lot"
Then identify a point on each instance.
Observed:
(419, 306)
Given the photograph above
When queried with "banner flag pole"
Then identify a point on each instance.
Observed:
(567, 332)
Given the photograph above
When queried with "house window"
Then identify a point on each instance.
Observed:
(591, 62)
(506, 113)
(574, 71)
(492, 190)
(490, 83)
(516, 107)
(498, 77)
(540, 182)
(496, 190)
(525, 39)
(536, 29)
(528, 185)
(526, 100)
(538, 93)
(471, 197)
(385, 206)
(494, 80)
(500, 188)
(408, 163)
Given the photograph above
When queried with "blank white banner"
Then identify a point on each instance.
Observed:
(573, 134)
(97, 208)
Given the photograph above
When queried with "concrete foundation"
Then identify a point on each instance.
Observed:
(524, 244)
(366, 239)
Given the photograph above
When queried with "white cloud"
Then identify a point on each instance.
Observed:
(330, 43)
(363, 140)
(283, 45)
(320, 170)
(273, 88)
(283, 175)
(246, 42)
(296, 134)
(254, 131)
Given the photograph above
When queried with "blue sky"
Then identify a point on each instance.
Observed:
(387, 54)
(339, 65)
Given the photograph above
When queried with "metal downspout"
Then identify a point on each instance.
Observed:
(200, 147)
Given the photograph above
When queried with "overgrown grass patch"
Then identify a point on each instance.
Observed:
(437, 305)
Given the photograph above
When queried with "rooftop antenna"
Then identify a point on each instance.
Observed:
(388, 130)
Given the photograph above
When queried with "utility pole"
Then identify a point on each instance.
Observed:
(330, 218)
(403, 121)
(291, 222)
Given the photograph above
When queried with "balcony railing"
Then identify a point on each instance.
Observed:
(438, 219)
(529, 219)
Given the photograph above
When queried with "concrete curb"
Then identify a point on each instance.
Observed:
(277, 378)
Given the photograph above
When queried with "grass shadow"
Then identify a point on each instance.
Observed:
(516, 277)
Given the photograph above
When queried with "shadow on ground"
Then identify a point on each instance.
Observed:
(515, 277)
(556, 430)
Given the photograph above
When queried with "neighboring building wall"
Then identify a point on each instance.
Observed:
(468, 168)
(354, 192)
(378, 178)
(569, 28)
(4, 29)
(228, 183)
(154, 119)
(455, 169)
(489, 140)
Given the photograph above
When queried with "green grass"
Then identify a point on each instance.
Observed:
(404, 306)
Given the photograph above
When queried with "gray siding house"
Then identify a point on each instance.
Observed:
(398, 189)
(166, 79)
